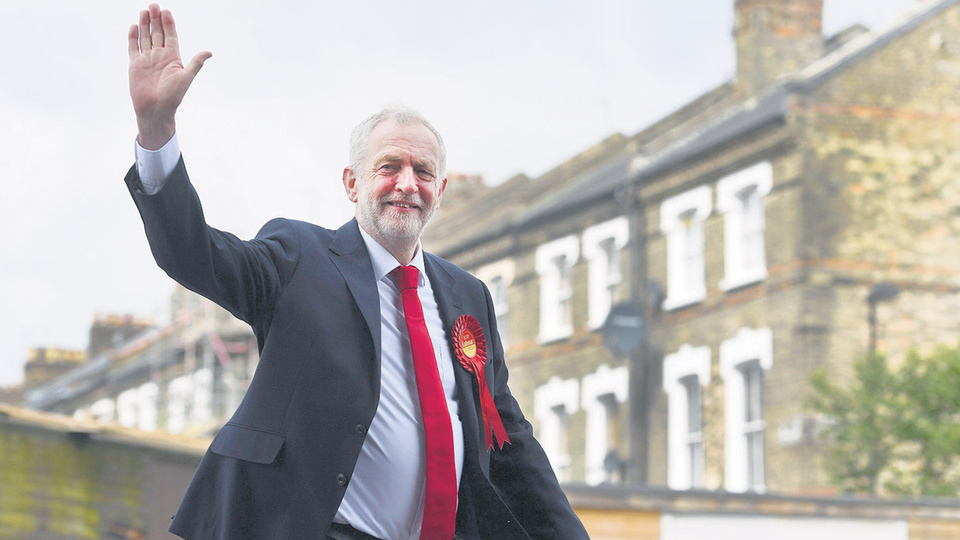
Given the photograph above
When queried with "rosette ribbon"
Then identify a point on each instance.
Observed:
(470, 346)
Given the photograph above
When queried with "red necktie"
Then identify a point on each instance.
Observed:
(440, 505)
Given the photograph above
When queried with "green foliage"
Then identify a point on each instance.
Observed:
(896, 429)
(858, 419)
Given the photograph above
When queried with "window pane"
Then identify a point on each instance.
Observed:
(696, 465)
(694, 429)
(754, 426)
(752, 234)
(612, 255)
(612, 278)
(498, 289)
(565, 291)
(694, 403)
(691, 249)
(562, 443)
(753, 386)
(755, 459)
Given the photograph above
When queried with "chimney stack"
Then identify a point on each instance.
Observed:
(774, 38)
(109, 331)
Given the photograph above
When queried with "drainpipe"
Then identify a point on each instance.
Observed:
(628, 198)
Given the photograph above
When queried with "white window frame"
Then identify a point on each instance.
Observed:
(748, 346)
(553, 405)
(688, 361)
(599, 390)
(602, 244)
(681, 220)
(504, 272)
(744, 252)
(554, 264)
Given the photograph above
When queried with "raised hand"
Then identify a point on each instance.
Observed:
(158, 78)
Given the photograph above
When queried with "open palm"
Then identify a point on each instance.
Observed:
(158, 77)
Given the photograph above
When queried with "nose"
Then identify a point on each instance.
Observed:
(407, 181)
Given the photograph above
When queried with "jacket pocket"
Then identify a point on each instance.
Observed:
(248, 444)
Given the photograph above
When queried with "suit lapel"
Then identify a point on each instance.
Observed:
(353, 262)
(450, 305)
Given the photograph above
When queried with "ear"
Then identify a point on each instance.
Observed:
(443, 186)
(350, 183)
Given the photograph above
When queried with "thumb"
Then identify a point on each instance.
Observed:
(196, 63)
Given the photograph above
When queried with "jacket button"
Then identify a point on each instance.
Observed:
(341, 479)
(361, 429)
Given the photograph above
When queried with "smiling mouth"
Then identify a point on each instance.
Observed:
(407, 206)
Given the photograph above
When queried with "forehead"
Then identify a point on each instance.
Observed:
(411, 139)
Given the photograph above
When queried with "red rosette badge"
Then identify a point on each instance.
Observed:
(471, 349)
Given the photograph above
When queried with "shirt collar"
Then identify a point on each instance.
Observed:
(384, 262)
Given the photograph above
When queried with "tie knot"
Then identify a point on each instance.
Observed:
(408, 277)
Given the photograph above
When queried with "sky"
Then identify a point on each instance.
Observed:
(513, 86)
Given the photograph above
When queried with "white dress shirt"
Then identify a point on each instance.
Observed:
(391, 467)
(385, 496)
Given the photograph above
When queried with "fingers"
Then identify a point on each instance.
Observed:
(133, 44)
(196, 63)
(156, 29)
(144, 30)
(169, 29)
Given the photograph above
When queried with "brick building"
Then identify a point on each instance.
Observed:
(752, 225)
(68, 479)
(45, 364)
(186, 377)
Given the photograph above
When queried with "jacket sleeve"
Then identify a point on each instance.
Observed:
(520, 471)
(245, 277)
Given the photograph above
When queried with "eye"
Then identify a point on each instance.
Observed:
(389, 167)
(424, 173)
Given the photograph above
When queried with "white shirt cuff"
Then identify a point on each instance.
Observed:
(155, 166)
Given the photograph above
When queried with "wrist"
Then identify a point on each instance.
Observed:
(153, 134)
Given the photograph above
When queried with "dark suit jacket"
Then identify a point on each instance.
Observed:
(279, 468)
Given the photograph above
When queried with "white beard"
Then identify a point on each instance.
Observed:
(390, 227)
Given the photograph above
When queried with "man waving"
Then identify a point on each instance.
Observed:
(380, 407)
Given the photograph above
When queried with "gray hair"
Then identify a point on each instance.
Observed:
(399, 114)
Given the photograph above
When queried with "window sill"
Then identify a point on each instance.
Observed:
(743, 279)
(673, 302)
(559, 334)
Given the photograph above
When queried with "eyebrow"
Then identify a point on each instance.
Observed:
(419, 163)
(425, 165)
